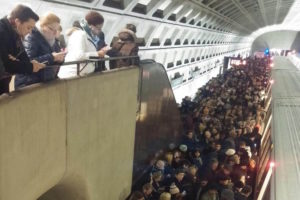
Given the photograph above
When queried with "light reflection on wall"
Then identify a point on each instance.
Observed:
(143, 112)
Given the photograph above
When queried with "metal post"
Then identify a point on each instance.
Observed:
(78, 69)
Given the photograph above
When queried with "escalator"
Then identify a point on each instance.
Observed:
(158, 120)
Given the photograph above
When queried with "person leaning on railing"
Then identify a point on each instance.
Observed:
(41, 45)
(13, 29)
(124, 45)
(82, 45)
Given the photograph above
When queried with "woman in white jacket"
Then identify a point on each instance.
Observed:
(82, 45)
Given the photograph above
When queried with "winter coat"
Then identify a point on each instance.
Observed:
(80, 47)
(11, 44)
(190, 143)
(124, 46)
(207, 196)
(101, 43)
(37, 48)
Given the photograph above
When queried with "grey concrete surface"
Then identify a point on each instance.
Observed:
(69, 140)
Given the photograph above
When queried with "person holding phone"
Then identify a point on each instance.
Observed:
(13, 29)
(41, 45)
(83, 44)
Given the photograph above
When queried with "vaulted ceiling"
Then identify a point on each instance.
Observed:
(250, 14)
(241, 17)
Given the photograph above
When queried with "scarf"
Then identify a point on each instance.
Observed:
(94, 38)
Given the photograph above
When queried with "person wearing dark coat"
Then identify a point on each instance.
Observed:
(191, 182)
(41, 45)
(13, 29)
(101, 44)
(157, 184)
(177, 180)
(238, 186)
(147, 191)
(210, 170)
(197, 159)
(223, 182)
(190, 141)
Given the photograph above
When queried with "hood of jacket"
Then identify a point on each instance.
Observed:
(127, 35)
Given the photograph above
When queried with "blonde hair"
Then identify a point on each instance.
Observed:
(165, 196)
(169, 157)
(48, 19)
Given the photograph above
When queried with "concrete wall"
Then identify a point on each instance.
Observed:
(74, 139)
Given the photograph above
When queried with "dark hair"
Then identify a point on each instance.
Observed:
(94, 18)
(131, 27)
(179, 171)
(23, 13)
(76, 24)
(189, 131)
(212, 186)
(239, 184)
(147, 186)
(242, 142)
(136, 195)
(223, 177)
(247, 190)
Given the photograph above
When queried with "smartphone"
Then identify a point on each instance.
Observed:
(64, 50)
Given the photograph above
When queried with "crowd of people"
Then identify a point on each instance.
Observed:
(217, 155)
(33, 49)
